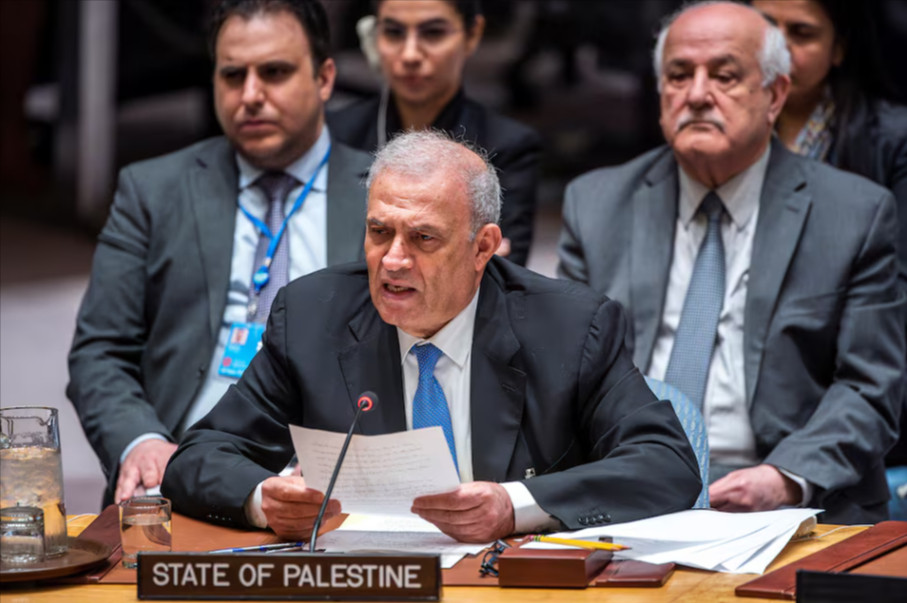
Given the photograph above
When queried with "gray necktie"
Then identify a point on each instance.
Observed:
(276, 186)
(691, 356)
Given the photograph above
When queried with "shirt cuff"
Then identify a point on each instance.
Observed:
(139, 440)
(528, 516)
(252, 508)
(806, 488)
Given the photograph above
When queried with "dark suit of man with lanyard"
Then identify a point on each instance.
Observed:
(173, 312)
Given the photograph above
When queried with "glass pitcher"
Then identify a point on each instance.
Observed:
(31, 469)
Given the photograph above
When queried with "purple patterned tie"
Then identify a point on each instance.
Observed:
(276, 186)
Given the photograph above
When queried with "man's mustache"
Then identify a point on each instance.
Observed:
(699, 119)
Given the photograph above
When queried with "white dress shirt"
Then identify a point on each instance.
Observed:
(725, 410)
(307, 232)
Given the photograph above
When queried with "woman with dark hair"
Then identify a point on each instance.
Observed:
(837, 109)
(837, 112)
(421, 47)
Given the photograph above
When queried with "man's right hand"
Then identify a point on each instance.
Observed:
(143, 468)
(291, 508)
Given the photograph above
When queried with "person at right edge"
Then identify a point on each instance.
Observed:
(762, 284)
(422, 47)
(838, 111)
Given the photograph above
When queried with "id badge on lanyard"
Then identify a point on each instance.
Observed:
(244, 339)
(262, 275)
(242, 344)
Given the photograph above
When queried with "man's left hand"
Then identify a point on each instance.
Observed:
(474, 512)
(759, 488)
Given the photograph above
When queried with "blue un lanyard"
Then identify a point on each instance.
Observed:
(263, 274)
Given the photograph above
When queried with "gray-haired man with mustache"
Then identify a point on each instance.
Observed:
(761, 284)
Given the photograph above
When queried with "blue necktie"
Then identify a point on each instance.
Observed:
(691, 356)
(275, 186)
(429, 403)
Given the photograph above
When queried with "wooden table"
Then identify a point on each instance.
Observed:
(685, 585)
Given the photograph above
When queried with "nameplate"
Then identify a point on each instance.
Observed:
(300, 576)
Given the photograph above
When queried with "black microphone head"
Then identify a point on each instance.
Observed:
(367, 400)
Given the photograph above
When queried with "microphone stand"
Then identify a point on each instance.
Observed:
(364, 404)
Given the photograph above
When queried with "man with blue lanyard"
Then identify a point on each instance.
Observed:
(199, 241)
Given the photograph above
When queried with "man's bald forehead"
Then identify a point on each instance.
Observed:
(746, 19)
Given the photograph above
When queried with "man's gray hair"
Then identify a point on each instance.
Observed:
(418, 153)
(774, 58)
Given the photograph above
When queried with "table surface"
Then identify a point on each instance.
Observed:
(684, 585)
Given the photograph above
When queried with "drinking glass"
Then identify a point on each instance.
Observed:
(144, 526)
(21, 535)
(31, 469)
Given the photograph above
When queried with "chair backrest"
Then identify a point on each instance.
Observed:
(693, 426)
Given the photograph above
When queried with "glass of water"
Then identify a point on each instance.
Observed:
(144, 526)
(21, 535)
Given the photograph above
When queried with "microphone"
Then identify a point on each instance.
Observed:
(366, 401)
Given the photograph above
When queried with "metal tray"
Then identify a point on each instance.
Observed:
(81, 555)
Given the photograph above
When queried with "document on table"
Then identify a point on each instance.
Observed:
(381, 474)
(738, 543)
(393, 533)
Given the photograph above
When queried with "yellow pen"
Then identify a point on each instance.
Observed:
(585, 544)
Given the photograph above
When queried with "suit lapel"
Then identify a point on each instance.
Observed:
(654, 218)
(497, 390)
(372, 362)
(212, 188)
(345, 206)
(783, 210)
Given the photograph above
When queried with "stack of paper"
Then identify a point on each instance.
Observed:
(370, 533)
(740, 543)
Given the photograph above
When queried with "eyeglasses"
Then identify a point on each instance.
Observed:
(490, 559)
(428, 35)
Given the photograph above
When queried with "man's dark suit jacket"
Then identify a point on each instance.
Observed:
(150, 319)
(553, 389)
(824, 319)
(513, 148)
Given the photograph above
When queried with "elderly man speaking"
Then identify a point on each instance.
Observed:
(761, 284)
(534, 374)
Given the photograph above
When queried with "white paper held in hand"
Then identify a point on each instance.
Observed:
(381, 474)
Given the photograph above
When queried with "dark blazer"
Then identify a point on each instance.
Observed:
(824, 319)
(553, 388)
(150, 319)
(878, 151)
(513, 148)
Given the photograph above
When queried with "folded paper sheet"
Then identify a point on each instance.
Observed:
(382, 474)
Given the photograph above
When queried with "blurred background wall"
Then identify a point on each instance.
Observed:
(91, 85)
